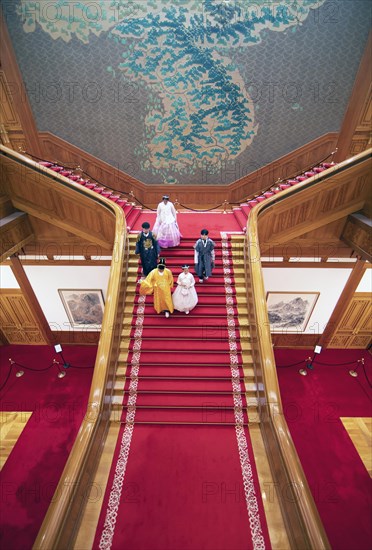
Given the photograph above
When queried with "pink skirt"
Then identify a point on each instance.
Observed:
(167, 234)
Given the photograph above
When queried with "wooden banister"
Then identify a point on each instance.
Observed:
(62, 519)
(304, 527)
(63, 516)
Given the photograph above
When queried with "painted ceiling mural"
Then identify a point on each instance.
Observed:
(189, 91)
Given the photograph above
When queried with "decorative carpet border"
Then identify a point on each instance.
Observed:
(258, 540)
(122, 461)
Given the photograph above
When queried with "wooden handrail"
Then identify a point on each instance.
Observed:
(62, 519)
(63, 516)
(304, 527)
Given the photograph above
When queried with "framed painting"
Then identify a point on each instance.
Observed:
(290, 311)
(84, 308)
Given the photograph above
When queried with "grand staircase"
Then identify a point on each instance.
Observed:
(188, 369)
(183, 372)
(194, 369)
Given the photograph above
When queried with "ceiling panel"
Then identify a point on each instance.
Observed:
(186, 91)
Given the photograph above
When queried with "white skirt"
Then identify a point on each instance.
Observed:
(184, 299)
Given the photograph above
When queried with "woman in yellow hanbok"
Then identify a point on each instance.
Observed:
(160, 282)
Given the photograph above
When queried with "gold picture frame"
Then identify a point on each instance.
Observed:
(84, 308)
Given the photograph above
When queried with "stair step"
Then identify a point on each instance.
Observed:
(118, 417)
(241, 217)
(209, 358)
(182, 371)
(181, 346)
(181, 320)
(117, 400)
(189, 365)
(200, 310)
(132, 217)
(194, 334)
(182, 423)
(202, 318)
(203, 290)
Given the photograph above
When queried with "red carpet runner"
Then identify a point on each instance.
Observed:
(183, 474)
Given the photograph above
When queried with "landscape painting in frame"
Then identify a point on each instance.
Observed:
(84, 308)
(290, 311)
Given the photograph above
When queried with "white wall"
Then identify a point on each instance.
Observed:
(328, 282)
(7, 279)
(46, 280)
(365, 284)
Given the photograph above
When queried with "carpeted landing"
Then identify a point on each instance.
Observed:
(183, 475)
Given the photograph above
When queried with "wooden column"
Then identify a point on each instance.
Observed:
(32, 301)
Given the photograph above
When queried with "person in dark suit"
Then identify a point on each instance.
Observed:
(148, 249)
(204, 256)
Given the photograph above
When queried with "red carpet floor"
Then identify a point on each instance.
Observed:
(32, 470)
(313, 405)
(189, 482)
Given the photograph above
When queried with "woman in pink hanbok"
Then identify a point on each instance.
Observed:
(166, 227)
(185, 297)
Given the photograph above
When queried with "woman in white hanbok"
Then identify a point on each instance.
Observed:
(166, 227)
(185, 297)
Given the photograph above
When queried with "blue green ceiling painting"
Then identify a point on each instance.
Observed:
(189, 91)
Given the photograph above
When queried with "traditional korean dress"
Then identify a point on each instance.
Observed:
(159, 283)
(149, 249)
(166, 227)
(204, 257)
(185, 297)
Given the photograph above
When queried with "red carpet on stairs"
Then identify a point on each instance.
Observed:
(183, 475)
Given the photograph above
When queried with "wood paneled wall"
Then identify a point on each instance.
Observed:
(39, 192)
(345, 192)
(354, 329)
(18, 324)
(355, 134)
(17, 125)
